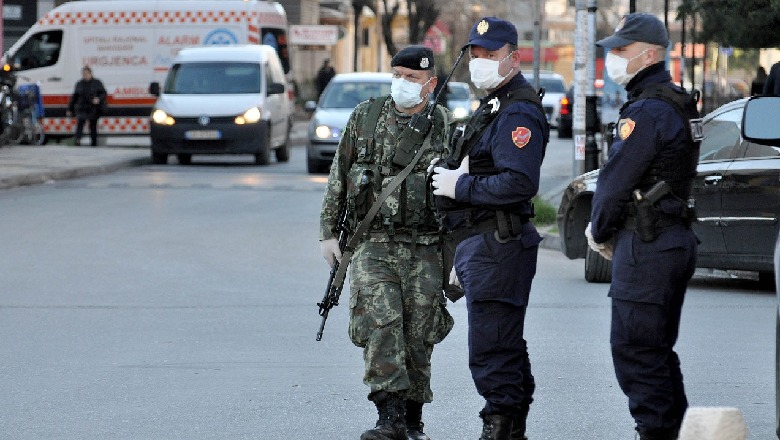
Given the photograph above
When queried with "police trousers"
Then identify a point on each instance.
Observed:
(648, 291)
(397, 314)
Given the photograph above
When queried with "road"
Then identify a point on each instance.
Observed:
(170, 302)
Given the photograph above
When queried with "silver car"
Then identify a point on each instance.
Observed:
(554, 86)
(344, 92)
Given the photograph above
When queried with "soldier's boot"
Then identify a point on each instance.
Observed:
(518, 424)
(414, 424)
(391, 424)
(496, 427)
(668, 435)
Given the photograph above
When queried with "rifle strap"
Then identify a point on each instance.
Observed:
(341, 273)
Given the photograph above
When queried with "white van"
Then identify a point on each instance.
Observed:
(129, 44)
(222, 100)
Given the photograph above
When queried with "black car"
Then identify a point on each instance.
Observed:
(566, 115)
(737, 194)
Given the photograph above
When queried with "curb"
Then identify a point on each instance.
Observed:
(72, 173)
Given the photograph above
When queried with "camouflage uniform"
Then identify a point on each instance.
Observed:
(396, 303)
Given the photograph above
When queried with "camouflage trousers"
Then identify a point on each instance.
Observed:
(397, 313)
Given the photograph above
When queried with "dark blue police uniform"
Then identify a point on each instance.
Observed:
(496, 274)
(649, 279)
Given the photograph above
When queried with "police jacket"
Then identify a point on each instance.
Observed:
(652, 142)
(364, 165)
(81, 101)
(504, 163)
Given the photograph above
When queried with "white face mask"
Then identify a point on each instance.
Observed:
(617, 68)
(406, 93)
(484, 72)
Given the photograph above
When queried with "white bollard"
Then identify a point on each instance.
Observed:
(713, 423)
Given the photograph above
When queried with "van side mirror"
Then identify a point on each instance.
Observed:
(760, 120)
(275, 89)
(154, 88)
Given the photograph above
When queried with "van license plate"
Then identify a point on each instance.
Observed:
(202, 134)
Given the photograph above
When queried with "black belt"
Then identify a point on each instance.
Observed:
(663, 222)
(488, 225)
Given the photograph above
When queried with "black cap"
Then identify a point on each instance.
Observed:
(634, 28)
(414, 57)
(492, 33)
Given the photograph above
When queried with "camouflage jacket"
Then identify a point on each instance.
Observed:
(363, 166)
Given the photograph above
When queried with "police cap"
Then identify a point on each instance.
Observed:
(414, 57)
(492, 33)
(634, 28)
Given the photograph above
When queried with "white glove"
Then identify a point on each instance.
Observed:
(444, 180)
(454, 278)
(605, 249)
(434, 161)
(330, 251)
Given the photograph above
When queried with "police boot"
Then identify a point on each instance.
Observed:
(518, 424)
(496, 427)
(414, 424)
(667, 435)
(391, 424)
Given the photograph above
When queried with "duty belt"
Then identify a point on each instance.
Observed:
(663, 222)
(502, 234)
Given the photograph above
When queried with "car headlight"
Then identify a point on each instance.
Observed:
(325, 132)
(162, 118)
(460, 113)
(249, 117)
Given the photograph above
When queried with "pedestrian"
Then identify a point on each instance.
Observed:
(772, 85)
(324, 75)
(649, 240)
(397, 308)
(485, 191)
(757, 86)
(87, 103)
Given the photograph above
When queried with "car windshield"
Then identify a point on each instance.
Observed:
(550, 85)
(458, 92)
(213, 78)
(350, 94)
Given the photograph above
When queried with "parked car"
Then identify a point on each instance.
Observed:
(461, 100)
(760, 126)
(554, 89)
(330, 115)
(566, 118)
(737, 194)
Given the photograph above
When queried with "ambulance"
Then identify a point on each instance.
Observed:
(130, 44)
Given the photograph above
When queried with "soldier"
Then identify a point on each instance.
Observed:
(397, 308)
(485, 196)
(653, 246)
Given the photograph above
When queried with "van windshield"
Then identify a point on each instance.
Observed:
(213, 78)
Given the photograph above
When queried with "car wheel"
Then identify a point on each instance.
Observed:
(263, 155)
(159, 158)
(597, 268)
(283, 151)
(564, 133)
(766, 280)
(184, 159)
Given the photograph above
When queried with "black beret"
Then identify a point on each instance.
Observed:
(414, 57)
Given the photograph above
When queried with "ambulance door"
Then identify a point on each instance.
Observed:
(41, 58)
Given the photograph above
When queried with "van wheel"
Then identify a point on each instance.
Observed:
(283, 151)
(597, 268)
(184, 159)
(263, 156)
(159, 158)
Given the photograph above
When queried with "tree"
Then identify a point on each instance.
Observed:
(737, 23)
(421, 14)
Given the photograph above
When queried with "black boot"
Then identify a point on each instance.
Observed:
(391, 424)
(496, 427)
(660, 435)
(518, 424)
(414, 424)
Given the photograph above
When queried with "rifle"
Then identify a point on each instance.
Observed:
(336, 279)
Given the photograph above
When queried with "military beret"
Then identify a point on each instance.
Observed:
(414, 57)
(492, 33)
(632, 28)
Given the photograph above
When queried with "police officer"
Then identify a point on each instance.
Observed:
(650, 270)
(486, 194)
(396, 303)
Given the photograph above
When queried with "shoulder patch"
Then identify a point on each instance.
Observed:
(625, 127)
(521, 136)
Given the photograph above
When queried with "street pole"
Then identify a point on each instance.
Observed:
(537, 41)
(581, 50)
(632, 6)
(591, 117)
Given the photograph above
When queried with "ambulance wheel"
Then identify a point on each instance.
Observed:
(159, 158)
(597, 268)
(184, 159)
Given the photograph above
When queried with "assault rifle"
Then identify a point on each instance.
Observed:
(336, 279)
